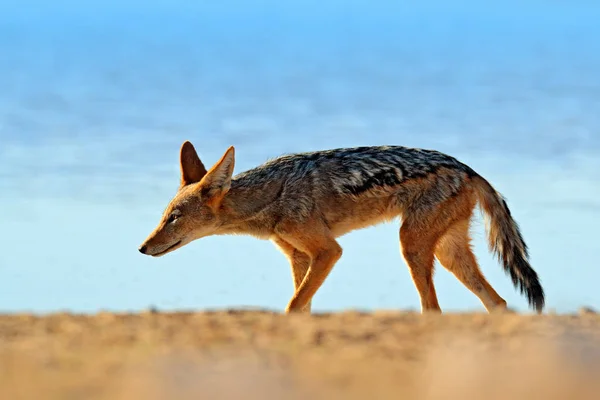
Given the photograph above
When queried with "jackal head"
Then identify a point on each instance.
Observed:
(192, 213)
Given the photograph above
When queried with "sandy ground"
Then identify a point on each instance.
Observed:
(268, 355)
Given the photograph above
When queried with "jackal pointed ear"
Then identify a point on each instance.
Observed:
(218, 178)
(192, 169)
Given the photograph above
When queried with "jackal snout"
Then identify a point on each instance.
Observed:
(157, 250)
(161, 242)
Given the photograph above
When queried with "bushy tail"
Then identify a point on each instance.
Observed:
(506, 242)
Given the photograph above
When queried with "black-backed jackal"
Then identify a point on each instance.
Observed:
(303, 202)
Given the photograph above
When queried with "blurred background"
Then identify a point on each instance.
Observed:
(96, 97)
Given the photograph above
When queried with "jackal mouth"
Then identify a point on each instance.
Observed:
(165, 251)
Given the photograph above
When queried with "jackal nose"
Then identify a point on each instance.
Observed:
(143, 249)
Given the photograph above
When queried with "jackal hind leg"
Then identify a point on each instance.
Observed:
(299, 263)
(423, 225)
(315, 240)
(454, 252)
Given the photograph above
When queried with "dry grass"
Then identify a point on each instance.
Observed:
(264, 355)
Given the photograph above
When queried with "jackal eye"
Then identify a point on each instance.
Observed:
(173, 217)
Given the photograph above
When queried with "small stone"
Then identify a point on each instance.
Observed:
(587, 311)
(151, 310)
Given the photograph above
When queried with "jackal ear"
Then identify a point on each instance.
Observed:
(218, 178)
(192, 169)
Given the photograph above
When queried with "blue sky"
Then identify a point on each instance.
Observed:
(96, 100)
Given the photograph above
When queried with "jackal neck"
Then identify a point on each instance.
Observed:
(249, 209)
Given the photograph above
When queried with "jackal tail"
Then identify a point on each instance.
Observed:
(506, 242)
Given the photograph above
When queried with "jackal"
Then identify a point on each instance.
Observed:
(303, 202)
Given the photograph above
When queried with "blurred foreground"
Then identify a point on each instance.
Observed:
(265, 355)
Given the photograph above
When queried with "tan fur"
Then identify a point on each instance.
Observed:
(305, 221)
(299, 262)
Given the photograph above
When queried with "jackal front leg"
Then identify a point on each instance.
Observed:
(323, 251)
(299, 263)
